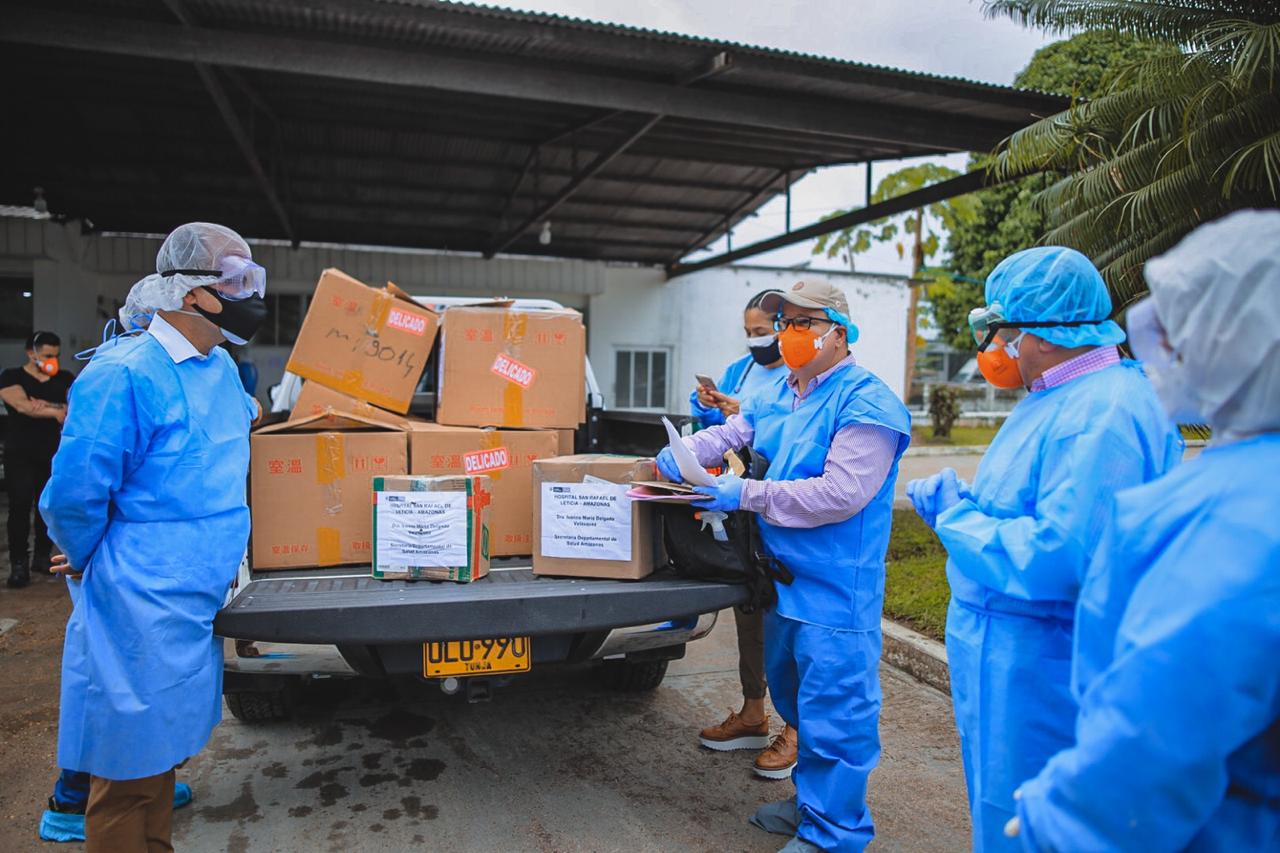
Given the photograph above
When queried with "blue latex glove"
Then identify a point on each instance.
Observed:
(667, 465)
(724, 496)
(933, 495)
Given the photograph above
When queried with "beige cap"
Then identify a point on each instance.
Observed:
(808, 293)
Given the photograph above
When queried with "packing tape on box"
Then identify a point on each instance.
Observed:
(492, 440)
(328, 546)
(379, 309)
(515, 326)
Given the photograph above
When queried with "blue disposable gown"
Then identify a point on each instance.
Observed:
(822, 647)
(1018, 549)
(147, 499)
(742, 379)
(1178, 737)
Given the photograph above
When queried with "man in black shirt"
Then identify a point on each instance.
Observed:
(36, 397)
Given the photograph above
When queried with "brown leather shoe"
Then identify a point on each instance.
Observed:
(777, 761)
(733, 733)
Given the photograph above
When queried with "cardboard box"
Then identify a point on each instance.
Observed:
(310, 491)
(593, 530)
(367, 343)
(507, 368)
(431, 528)
(505, 455)
(317, 399)
(566, 438)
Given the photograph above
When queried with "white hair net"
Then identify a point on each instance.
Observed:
(1217, 294)
(187, 250)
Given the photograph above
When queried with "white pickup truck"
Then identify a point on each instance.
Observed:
(284, 627)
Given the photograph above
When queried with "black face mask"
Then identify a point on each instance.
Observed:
(765, 356)
(239, 319)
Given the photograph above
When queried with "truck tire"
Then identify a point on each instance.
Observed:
(259, 706)
(633, 676)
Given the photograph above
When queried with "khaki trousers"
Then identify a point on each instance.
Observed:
(134, 816)
(751, 653)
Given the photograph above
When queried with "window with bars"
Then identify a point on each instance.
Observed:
(284, 319)
(640, 379)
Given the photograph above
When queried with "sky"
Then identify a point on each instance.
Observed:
(948, 37)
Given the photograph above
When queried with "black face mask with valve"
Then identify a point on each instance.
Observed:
(239, 319)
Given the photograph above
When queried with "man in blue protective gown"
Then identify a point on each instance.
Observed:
(1177, 663)
(147, 503)
(1020, 538)
(833, 435)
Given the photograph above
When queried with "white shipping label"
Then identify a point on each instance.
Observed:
(586, 521)
(421, 529)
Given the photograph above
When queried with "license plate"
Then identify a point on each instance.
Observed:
(475, 657)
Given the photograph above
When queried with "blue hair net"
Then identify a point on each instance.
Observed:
(850, 330)
(1055, 283)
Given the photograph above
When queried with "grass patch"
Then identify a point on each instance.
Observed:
(959, 436)
(915, 587)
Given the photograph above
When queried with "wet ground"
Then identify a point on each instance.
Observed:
(552, 763)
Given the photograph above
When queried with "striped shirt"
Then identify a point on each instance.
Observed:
(1073, 368)
(857, 465)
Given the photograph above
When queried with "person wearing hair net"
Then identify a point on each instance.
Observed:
(1019, 539)
(833, 434)
(147, 504)
(1177, 742)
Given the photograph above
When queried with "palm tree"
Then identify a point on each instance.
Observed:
(1174, 141)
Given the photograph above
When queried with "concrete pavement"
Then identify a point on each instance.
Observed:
(552, 763)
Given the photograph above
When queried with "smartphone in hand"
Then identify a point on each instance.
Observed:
(706, 381)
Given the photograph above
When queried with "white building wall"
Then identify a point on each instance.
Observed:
(698, 319)
(80, 281)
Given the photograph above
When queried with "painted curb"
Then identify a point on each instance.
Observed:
(921, 657)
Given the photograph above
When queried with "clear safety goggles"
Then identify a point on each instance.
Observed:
(987, 322)
(239, 278)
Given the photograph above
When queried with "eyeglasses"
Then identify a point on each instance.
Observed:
(802, 323)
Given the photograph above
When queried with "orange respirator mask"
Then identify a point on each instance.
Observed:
(997, 357)
(48, 366)
(799, 346)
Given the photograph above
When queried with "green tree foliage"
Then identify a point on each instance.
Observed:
(940, 217)
(1006, 217)
(1171, 141)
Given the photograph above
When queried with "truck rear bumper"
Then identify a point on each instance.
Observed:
(511, 601)
(298, 659)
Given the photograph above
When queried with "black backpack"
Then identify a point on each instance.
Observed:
(694, 552)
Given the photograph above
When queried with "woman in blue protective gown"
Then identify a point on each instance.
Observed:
(1177, 654)
(1019, 539)
(147, 504)
(761, 370)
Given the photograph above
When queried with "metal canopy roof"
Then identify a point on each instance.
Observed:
(439, 125)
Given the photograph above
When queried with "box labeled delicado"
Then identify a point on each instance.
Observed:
(585, 525)
(507, 456)
(431, 528)
(310, 487)
(509, 368)
(368, 343)
(317, 399)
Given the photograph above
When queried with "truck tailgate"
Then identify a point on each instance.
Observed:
(510, 601)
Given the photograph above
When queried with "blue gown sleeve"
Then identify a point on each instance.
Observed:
(1195, 679)
(1042, 554)
(103, 440)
